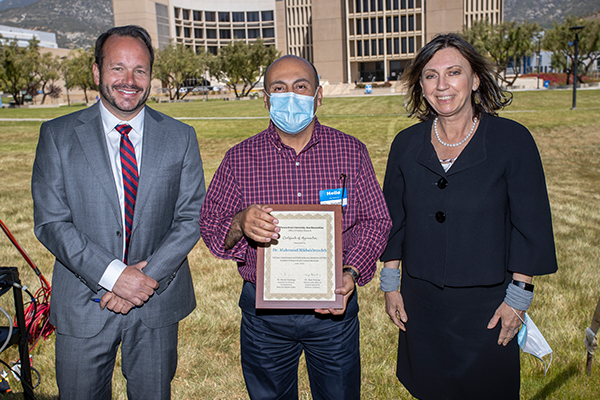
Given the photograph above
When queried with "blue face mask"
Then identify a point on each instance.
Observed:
(531, 341)
(292, 112)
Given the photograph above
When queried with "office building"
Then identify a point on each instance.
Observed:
(347, 40)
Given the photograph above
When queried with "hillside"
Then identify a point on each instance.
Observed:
(544, 12)
(77, 23)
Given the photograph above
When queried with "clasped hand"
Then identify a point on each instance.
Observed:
(133, 288)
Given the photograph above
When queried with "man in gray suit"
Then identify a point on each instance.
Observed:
(117, 191)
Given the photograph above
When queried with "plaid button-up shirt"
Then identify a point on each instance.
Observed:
(263, 170)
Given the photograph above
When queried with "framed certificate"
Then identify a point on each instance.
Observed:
(302, 269)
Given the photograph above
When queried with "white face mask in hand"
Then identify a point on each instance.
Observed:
(531, 341)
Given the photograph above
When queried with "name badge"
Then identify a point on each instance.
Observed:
(334, 196)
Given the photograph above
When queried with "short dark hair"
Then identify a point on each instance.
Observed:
(488, 97)
(316, 74)
(133, 31)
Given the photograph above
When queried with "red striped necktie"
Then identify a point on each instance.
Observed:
(130, 180)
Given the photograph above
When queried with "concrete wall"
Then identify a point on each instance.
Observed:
(329, 40)
(443, 16)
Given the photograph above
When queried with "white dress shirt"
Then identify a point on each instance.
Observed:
(113, 144)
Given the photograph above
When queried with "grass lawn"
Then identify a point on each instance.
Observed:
(569, 141)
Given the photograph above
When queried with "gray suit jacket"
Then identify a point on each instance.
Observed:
(78, 218)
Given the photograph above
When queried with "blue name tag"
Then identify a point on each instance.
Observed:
(334, 196)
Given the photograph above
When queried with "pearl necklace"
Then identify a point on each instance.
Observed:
(454, 144)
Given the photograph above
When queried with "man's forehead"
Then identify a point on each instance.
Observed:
(289, 68)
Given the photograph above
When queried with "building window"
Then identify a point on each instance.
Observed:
(357, 6)
(177, 31)
(366, 43)
(209, 16)
(411, 23)
(411, 3)
(373, 25)
(380, 23)
(411, 44)
(213, 50)
(395, 4)
(365, 6)
(403, 23)
(396, 23)
(186, 14)
(358, 27)
(352, 51)
(223, 17)
(197, 15)
(366, 26)
(380, 5)
(253, 33)
(198, 33)
(224, 34)
(388, 4)
(268, 32)
(211, 33)
(389, 46)
(252, 16)
(373, 6)
(397, 45)
(381, 52)
(237, 17)
(359, 48)
(374, 47)
(403, 4)
(404, 49)
(267, 15)
(177, 12)
(187, 32)
(388, 21)
(239, 34)
(162, 25)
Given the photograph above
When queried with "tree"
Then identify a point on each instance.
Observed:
(244, 64)
(17, 69)
(47, 71)
(559, 40)
(175, 66)
(77, 70)
(507, 44)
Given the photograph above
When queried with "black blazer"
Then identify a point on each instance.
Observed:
(489, 214)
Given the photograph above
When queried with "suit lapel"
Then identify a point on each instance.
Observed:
(91, 138)
(152, 159)
(427, 155)
(474, 153)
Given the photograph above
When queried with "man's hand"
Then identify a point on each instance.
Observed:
(135, 286)
(394, 306)
(510, 322)
(115, 303)
(255, 223)
(346, 290)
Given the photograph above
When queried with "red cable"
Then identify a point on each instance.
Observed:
(37, 322)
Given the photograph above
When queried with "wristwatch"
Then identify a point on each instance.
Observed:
(352, 272)
(523, 285)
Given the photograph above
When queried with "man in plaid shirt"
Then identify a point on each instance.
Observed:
(290, 163)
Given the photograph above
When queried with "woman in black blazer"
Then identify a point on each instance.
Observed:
(471, 225)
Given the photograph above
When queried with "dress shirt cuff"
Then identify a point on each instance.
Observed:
(111, 274)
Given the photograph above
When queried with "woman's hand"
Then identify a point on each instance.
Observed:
(394, 306)
(510, 322)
